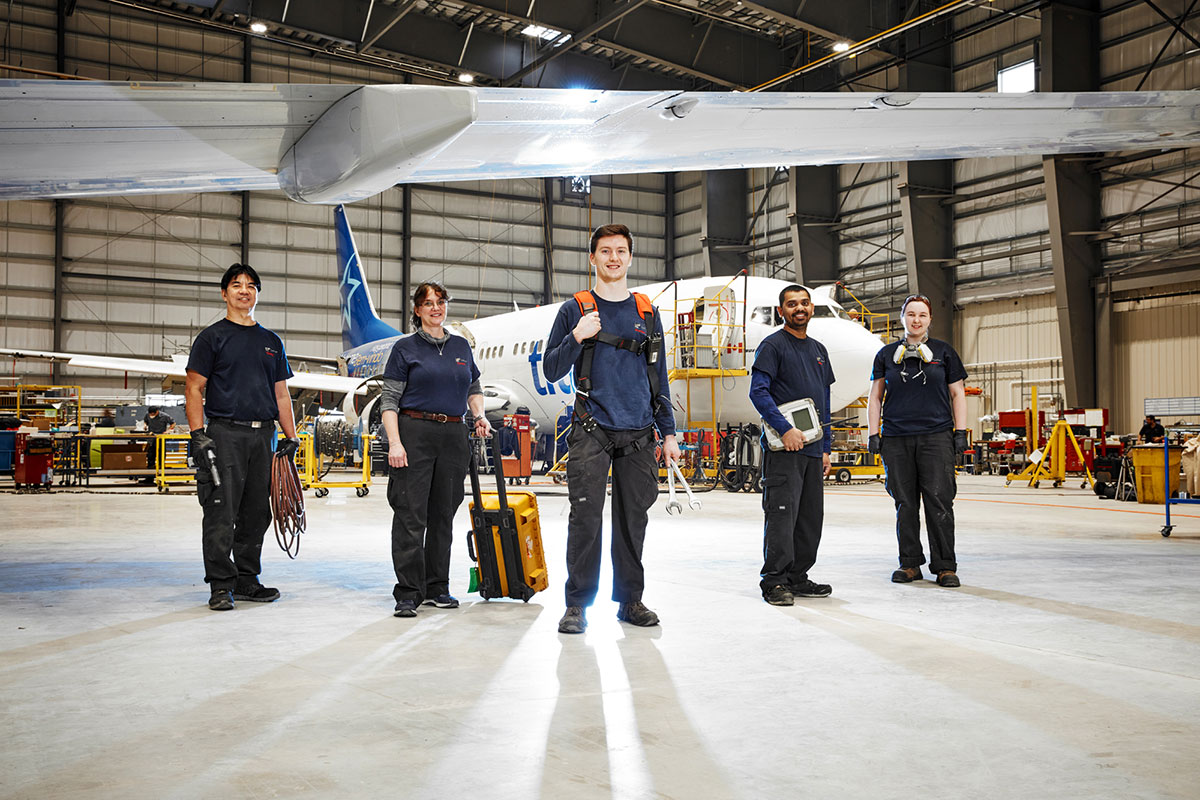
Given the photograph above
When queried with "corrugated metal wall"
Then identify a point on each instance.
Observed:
(1157, 350)
(1009, 346)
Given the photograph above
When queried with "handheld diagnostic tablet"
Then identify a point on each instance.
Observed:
(802, 414)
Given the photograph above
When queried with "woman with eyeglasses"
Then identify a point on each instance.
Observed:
(429, 384)
(917, 419)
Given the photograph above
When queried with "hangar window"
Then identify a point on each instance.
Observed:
(577, 187)
(1017, 78)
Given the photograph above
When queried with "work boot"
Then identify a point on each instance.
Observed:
(220, 600)
(573, 621)
(256, 593)
(811, 588)
(907, 575)
(948, 579)
(779, 596)
(636, 613)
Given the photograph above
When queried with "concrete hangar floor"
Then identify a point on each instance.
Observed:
(1067, 666)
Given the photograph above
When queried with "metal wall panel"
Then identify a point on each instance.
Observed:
(1010, 346)
(1156, 346)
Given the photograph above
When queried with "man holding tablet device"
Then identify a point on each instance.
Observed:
(789, 387)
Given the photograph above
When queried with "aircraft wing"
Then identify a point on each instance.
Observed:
(339, 143)
(176, 368)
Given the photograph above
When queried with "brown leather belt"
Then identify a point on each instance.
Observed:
(408, 412)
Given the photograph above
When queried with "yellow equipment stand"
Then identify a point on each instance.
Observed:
(171, 461)
(309, 466)
(1054, 460)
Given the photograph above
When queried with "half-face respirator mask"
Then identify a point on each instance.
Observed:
(913, 357)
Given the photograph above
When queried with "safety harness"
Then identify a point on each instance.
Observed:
(650, 348)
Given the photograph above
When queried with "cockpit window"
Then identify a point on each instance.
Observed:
(766, 315)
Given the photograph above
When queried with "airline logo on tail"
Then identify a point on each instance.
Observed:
(360, 322)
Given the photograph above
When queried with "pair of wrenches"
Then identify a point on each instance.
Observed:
(673, 505)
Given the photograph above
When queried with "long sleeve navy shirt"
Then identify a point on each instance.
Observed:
(787, 368)
(620, 396)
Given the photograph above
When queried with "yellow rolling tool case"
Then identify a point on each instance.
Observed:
(505, 541)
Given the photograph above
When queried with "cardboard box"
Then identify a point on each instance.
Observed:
(42, 423)
(129, 455)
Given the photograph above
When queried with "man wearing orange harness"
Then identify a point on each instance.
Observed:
(613, 339)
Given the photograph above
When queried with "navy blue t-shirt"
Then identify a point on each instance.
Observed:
(242, 364)
(916, 397)
(788, 368)
(620, 396)
(436, 377)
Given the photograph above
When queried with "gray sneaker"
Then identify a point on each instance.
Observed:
(573, 621)
(405, 608)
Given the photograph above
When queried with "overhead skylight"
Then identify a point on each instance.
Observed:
(541, 32)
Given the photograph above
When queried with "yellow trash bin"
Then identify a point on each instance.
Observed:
(1148, 472)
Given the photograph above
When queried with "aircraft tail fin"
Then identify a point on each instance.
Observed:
(360, 322)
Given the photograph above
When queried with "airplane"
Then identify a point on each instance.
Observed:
(509, 347)
(338, 143)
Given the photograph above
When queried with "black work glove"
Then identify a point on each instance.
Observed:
(287, 448)
(202, 446)
(960, 442)
(874, 443)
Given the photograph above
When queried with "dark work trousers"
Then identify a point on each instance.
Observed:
(920, 468)
(794, 507)
(424, 497)
(237, 514)
(634, 490)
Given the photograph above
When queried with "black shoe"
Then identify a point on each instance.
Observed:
(405, 608)
(948, 579)
(256, 593)
(907, 575)
(779, 596)
(442, 601)
(636, 613)
(220, 600)
(811, 589)
(573, 621)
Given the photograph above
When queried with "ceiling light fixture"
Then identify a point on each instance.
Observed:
(466, 77)
(258, 27)
(841, 47)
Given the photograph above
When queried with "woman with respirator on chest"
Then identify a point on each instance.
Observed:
(917, 419)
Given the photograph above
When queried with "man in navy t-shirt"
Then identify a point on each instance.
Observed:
(613, 426)
(790, 365)
(237, 378)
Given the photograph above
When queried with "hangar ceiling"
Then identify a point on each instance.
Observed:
(610, 44)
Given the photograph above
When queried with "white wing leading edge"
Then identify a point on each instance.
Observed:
(340, 143)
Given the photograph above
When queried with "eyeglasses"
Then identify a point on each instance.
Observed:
(430, 305)
(919, 297)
